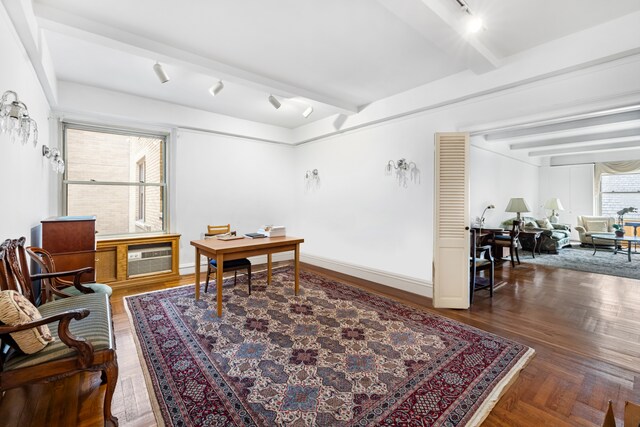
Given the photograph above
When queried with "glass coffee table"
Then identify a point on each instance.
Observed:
(615, 239)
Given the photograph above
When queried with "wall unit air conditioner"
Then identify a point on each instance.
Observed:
(149, 259)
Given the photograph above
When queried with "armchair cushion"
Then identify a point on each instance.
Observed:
(17, 310)
(596, 226)
(95, 328)
(98, 288)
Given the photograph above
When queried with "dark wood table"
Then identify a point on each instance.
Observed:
(534, 237)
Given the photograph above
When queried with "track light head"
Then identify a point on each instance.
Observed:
(274, 101)
(306, 113)
(162, 75)
(216, 88)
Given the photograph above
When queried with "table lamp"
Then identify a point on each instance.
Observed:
(553, 204)
(517, 205)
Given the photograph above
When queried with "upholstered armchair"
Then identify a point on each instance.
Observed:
(588, 225)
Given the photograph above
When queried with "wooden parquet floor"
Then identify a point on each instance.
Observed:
(584, 327)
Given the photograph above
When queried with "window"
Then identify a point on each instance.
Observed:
(117, 175)
(619, 191)
(141, 179)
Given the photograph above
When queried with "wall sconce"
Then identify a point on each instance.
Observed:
(402, 167)
(401, 164)
(312, 175)
(15, 120)
(54, 156)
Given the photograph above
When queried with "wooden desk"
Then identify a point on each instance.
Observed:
(229, 250)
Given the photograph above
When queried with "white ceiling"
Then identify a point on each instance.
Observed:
(335, 55)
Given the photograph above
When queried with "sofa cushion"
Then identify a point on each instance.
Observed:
(544, 223)
(16, 310)
(596, 226)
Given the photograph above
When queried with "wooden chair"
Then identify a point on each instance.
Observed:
(85, 344)
(233, 265)
(480, 258)
(510, 240)
(56, 287)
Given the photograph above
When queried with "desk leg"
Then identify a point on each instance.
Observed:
(297, 268)
(197, 274)
(219, 271)
(268, 269)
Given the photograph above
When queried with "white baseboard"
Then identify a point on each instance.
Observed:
(398, 281)
(405, 283)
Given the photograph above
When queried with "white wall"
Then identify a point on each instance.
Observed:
(220, 180)
(28, 193)
(573, 185)
(495, 179)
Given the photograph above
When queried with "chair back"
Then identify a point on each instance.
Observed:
(213, 230)
(14, 270)
(44, 261)
(515, 230)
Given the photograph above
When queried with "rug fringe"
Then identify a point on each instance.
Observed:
(487, 406)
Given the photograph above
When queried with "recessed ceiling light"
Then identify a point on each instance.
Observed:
(306, 113)
(162, 75)
(276, 104)
(216, 88)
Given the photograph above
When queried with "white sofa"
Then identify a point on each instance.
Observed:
(588, 225)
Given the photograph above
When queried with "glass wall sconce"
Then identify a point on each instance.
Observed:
(312, 174)
(405, 171)
(401, 164)
(15, 120)
(55, 157)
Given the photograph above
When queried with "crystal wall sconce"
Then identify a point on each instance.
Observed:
(54, 156)
(15, 120)
(312, 174)
(405, 171)
(401, 164)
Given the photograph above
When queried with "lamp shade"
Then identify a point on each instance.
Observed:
(517, 204)
(554, 204)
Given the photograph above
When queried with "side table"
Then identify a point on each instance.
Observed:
(532, 237)
(635, 226)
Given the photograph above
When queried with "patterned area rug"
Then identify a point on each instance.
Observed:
(332, 356)
(582, 259)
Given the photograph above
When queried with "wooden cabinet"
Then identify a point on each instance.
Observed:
(72, 242)
(133, 261)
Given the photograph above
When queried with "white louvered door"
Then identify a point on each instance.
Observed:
(451, 222)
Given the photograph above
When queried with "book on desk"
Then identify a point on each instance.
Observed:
(255, 235)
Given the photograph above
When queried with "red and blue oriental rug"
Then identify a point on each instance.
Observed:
(334, 355)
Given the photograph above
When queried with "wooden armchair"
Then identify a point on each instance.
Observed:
(510, 240)
(85, 344)
(57, 287)
(480, 258)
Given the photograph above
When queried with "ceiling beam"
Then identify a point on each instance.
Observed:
(442, 24)
(23, 20)
(577, 139)
(612, 145)
(75, 26)
(595, 119)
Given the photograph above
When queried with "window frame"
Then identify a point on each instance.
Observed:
(123, 131)
(141, 169)
(602, 193)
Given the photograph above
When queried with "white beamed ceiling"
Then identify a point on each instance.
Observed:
(340, 57)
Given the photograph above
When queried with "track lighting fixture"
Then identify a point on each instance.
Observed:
(162, 75)
(474, 22)
(273, 101)
(306, 113)
(216, 88)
